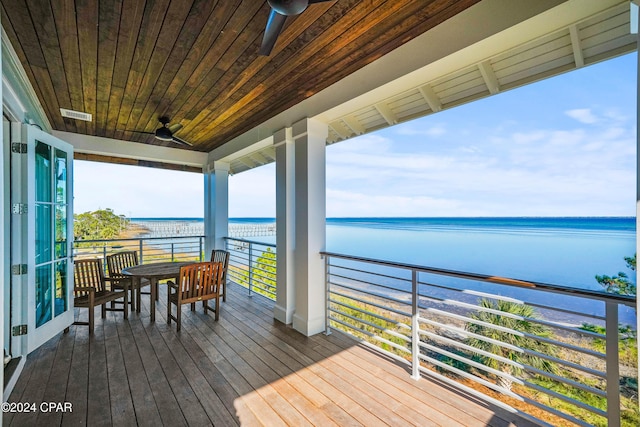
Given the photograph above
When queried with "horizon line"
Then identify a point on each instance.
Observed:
(415, 217)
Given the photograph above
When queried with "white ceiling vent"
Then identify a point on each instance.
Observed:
(78, 115)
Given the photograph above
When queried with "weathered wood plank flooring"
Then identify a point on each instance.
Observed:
(244, 369)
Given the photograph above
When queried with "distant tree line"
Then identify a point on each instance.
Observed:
(99, 225)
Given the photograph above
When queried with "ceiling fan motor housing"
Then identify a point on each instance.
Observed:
(288, 7)
(164, 133)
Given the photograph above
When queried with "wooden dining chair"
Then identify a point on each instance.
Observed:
(90, 290)
(196, 282)
(118, 262)
(220, 255)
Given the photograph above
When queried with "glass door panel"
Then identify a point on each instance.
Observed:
(43, 294)
(61, 231)
(61, 177)
(43, 172)
(47, 235)
(43, 234)
(61, 301)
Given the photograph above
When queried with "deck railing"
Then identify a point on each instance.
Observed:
(544, 351)
(550, 353)
(183, 248)
(253, 265)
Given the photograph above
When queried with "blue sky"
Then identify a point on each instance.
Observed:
(565, 146)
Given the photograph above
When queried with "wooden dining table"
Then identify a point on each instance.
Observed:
(154, 272)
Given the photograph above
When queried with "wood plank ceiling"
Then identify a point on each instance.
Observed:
(129, 62)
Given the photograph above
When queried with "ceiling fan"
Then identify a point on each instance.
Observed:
(280, 9)
(166, 132)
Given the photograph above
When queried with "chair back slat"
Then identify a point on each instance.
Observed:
(199, 281)
(88, 273)
(121, 260)
(221, 256)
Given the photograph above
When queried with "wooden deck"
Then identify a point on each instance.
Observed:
(245, 369)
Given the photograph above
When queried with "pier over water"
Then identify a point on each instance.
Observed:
(172, 228)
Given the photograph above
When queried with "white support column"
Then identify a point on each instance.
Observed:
(285, 225)
(216, 206)
(310, 138)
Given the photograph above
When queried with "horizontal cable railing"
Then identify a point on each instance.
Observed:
(150, 249)
(253, 265)
(550, 353)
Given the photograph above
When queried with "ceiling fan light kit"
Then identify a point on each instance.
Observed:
(166, 132)
(163, 133)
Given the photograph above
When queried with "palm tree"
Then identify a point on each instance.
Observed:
(620, 284)
(519, 323)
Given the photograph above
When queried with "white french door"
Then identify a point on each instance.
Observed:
(42, 214)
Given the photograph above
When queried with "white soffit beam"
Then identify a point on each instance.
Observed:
(340, 129)
(386, 113)
(259, 158)
(577, 46)
(227, 154)
(248, 162)
(354, 124)
(131, 150)
(489, 77)
(269, 153)
(430, 96)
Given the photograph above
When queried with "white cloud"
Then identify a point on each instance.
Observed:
(539, 172)
(526, 138)
(431, 131)
(346, 203)
(583, 115)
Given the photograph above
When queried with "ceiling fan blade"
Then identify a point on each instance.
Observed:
(318, 1)
(175, 127)
(275, 23)
(182, 141)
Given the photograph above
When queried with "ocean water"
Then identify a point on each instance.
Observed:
(560, 251)
(564, 251)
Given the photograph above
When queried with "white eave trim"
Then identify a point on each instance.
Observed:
(19, 100)
(131, 150)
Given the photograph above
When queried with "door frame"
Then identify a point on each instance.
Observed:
(5, 262)
(23, 242)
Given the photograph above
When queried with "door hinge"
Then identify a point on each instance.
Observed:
(19, 147)
(19, 208)
(18, 269)
(19, 330)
